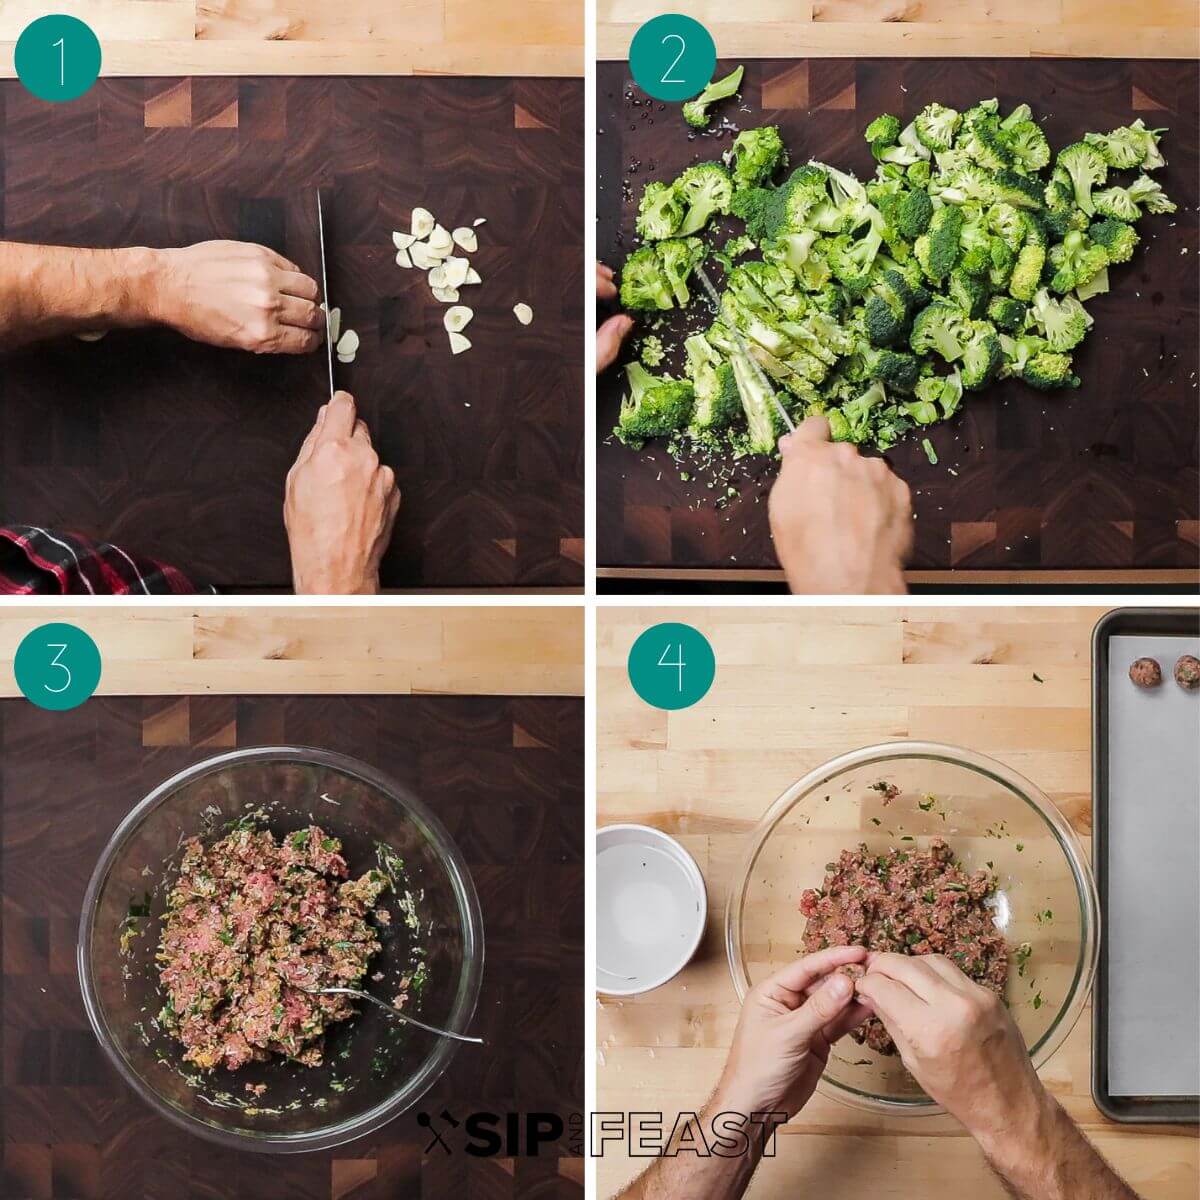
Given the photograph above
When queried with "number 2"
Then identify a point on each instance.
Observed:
(61, 648)
(682, 51)
(60, 45)
(678, 663)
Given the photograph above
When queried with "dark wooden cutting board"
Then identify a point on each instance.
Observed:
(506, 777)
(179, 450)
(1103, 479)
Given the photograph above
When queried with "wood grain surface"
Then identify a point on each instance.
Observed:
(392, 649)
(1102, 479)
(793, 689)
(180, 450)
(506, 776)
(923, 28)
(307, 37)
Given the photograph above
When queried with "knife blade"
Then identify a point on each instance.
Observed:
(325, 293)
(744, 346)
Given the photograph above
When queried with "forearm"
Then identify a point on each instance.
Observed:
(700, 1171)
(47, 291)
(1047, 1158)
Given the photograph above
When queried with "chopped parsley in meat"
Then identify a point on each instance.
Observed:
(907, 902)
(252, 926)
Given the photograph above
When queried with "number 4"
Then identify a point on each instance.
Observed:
(678, 663)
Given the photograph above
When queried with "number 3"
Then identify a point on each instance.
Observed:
(682, 51)
(61, 648)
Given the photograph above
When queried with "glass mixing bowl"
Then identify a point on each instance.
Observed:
(374, 1067)
(991, 817)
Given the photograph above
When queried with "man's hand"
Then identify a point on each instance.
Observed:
(956, 1039)
(959, 1043)
(237, 295)
(616, 329)
(339, 506)
(841, 523)
(784, 1033)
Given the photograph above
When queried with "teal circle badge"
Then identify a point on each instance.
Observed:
(57, 666)
(672, 57)
(57, 57)
(672, 665)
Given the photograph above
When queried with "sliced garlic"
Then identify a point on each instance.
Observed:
(93, 335)
(402, 241)
(440, 239)
(466, 238)
(459, 343)
(523, 313)
(404, 259)
(456, 271)
(421, 256)
(457, 318)
(479, 220)
(422, 223)
(348, 343)
(472, 276)
(437, 277)
(335, 323)
(345, 359)
(446, 295)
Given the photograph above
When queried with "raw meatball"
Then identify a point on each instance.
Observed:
(1187, 673)
(1146, 672)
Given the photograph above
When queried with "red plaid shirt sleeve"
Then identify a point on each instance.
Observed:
(43, 562)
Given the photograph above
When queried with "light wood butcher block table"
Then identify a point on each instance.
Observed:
(384, 649)
(922, 28)
(795, 687)
(311, 37)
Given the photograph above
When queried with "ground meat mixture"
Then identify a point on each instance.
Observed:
(907, 902)
(1145, 672)
(1187, 672)
(252, 925)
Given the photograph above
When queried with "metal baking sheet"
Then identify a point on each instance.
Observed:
(1147, 853)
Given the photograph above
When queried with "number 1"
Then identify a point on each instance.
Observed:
(682, 51)
(62, 76)
(679, 663)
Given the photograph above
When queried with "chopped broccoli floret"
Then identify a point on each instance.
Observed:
(1130, 146)
(680, 257)
(695, 111)
(1063, 322)
(755, 156)
(656, 406)
(936, 126)
(969, 292)
(762, 413)
(643, 281)
(1027, 271)
(705, 189)
(885, 129)
(981, 357)
(1006, 313)
(941, 327)
(896, 369)
(717, 401)
(1074, 261)
(937, 250)
(1046, 370)
(1116, 238)
(1086, 170)
(651, 352)
(661, 211)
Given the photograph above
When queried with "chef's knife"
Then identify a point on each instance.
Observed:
(325, 294)
(745, 348)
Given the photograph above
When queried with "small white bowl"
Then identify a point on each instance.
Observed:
(651, 908)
